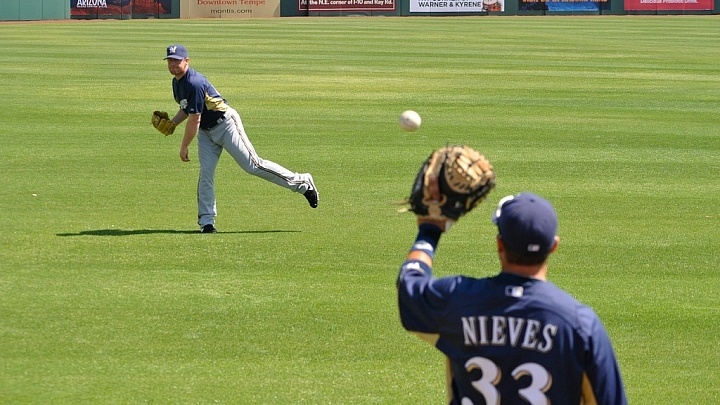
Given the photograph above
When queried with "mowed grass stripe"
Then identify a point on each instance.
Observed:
(108, 296)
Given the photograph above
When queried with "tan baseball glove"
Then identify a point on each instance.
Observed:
(451, 183)
(162, 122)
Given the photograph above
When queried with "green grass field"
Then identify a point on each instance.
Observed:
(108, 294)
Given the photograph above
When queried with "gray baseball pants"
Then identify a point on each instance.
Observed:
(230, 135)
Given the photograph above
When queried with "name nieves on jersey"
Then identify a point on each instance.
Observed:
(527, 334)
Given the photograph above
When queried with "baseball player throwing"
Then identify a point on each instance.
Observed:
(217, 126)
(514, 338)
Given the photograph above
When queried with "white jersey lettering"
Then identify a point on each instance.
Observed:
(528, 334)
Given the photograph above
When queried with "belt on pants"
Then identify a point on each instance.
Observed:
(214, 124)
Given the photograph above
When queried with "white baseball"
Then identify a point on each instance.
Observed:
(410, 120)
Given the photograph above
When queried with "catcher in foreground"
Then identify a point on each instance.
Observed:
(511, 338)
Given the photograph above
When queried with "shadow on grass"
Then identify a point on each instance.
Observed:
(129, 232)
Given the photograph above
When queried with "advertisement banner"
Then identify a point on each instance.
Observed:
(231, 9)
(453, 6)
(346, 5)
(101, 8)
(668, 5)
(562, 6)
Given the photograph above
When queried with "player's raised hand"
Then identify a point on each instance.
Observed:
(451, 182)
(433, 198)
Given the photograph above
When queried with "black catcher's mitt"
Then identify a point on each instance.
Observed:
(450, 183)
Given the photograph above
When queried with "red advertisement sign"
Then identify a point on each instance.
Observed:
(666, 5)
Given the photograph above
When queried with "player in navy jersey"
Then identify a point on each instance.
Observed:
(514, 338)
(218, 127)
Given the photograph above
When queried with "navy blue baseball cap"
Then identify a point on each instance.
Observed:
(527, 223)
(176, 52)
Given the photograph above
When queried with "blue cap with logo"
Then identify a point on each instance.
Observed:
(527, 223)
(176, 52)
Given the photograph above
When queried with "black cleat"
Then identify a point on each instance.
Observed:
(209, 228)
(311, 194)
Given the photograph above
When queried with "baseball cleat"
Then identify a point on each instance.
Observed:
(311, 194)
(209, 228)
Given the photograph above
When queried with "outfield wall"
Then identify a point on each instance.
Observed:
(124, 9)
(495, 7)
(229, 8)
(25, 10)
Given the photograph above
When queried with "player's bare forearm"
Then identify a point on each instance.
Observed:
(191, 129)
(190, 132)
(420, 256)
(179, 117)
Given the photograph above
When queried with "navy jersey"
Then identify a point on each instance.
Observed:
(194, 93)
(510, 339)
